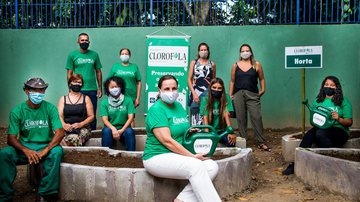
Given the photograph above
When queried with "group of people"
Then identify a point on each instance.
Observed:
(37, 127)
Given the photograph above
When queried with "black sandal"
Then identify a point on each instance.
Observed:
(264, 147)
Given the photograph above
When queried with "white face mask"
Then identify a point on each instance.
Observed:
(115, 92)
(169, 97)
(203, 54)
(245, 54)
(124, 58)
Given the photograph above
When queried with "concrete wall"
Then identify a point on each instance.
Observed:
(37, 52)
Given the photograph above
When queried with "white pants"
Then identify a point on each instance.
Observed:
(199, 173)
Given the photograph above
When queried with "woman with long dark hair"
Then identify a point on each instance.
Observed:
(216, 110)
(331, 97)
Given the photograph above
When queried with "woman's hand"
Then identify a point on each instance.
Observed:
(196, 98)
(232, 138)
(261, 93)
(76, 125)
(335, 115)
(201, 156)
(136, 102)
(68, 127)
(232, 97)
(115, 134)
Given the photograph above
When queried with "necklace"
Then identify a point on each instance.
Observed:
(76, 101)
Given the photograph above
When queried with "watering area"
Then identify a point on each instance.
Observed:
(95, 183)
(334, 169)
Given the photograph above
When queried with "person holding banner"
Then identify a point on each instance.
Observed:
(331, 97)
(244, 91)
(164, 156)
(130, 73)
(117, 113)
(201, 72)
(215, 109)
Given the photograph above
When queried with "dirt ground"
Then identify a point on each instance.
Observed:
(267, 185)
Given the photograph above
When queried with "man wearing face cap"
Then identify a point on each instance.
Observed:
(34, 134)
(87, 63)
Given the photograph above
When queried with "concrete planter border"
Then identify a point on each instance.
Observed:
(289, 145)
(334, 174)
(87, 183)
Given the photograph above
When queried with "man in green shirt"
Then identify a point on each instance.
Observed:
(34, 134)
(87, 63)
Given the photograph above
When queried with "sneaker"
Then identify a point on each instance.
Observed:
(289, 170)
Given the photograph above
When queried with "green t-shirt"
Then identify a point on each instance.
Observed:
(216, 117)
(85, 64)
(34, 125)
(131, 76)
(160, 115)
(117, 116)
(344, 110)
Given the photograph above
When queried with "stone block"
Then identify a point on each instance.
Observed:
(288, 146)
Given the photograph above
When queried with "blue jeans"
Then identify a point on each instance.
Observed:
(128, 137)
(93, 98)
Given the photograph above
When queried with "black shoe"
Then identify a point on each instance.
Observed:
(289, 170)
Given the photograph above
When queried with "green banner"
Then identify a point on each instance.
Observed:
(167, 55)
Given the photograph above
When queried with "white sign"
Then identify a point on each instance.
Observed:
(303, 57)
(202, 145)
(167, 56)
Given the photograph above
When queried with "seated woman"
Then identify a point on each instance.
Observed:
(76, 113)
(331, 97)
(117, 113)
(164, 156)
(215, 109)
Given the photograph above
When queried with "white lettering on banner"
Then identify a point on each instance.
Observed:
(156, 73)
(304, 61)
(36, 124)
(167, 56)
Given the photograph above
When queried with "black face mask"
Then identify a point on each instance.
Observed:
(329, 91)
(84, 46)
(76, 88)
(216, 94)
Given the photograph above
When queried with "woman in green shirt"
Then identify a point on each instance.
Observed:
(216, 108)
(130, 73)
(164, 156)
(117, 113)
(331, 97)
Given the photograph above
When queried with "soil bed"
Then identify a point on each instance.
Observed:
(345, 157)
(103, 159)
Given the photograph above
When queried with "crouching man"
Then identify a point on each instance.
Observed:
(34, 134)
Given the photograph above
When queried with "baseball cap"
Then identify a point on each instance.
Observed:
(36, 83)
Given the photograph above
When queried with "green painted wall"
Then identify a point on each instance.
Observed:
(28, 53)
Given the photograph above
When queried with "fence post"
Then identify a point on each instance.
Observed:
(16, 15)
(297, 12)
(151, 13)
